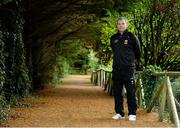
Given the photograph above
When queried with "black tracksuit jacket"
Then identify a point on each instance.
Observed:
(126, 49)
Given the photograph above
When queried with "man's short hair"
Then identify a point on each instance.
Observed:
(123, 18)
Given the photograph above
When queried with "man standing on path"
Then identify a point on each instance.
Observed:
(126, 50)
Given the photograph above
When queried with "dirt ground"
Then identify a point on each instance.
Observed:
(76, 103)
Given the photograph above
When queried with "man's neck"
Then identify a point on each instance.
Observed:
(121, 32)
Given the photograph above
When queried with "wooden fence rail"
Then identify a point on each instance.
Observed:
(163, 92)
(103, 79)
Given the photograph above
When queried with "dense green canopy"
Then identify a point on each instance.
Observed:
(52, 24)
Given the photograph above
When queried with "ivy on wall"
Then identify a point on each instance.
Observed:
(14, 78)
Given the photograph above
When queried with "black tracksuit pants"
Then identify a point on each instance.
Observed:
(124, 76)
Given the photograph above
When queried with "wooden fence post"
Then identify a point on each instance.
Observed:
(155, 96)
(163, 92)
(162, 101)
(111, 86)
(100, 76)
(172, 103)
(96, 78)
(103, 78)
(139, 92)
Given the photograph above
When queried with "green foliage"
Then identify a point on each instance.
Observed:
(18, 101)
(61, 69)
(17, 79)
(2, 66)
(3, 104)
(107, 27)
(69, 56)
(14, 79)
(156, 24)
(93, 60)
(21, 79)
(150, 82)
(6, 1)
(3, 110)
(106, 67)
(175, 86)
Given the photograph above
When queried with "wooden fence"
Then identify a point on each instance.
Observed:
(163, 93)
(103, 79)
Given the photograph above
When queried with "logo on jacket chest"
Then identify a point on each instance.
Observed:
(125, 42)
(122, 42)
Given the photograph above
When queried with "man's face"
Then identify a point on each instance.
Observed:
(121, 25)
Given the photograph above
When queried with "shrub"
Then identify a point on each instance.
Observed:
(150, 82)
(176, 87)
(3, 110)
(93, 60)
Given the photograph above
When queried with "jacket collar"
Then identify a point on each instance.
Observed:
(126, 31)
